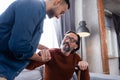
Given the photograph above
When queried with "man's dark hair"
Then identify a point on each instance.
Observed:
(78, 41)
(67, 1)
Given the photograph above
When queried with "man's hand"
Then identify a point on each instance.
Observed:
(83, 65)
(45, 55)
(40, 46)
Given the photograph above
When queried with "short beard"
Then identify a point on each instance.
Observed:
(51, 13)
(66, 49)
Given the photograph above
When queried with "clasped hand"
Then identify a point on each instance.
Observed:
(45, 55)
(83, 65)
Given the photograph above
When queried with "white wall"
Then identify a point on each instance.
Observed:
(113, 66)
(87, 10)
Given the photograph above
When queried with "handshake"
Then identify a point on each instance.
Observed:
(45, 55)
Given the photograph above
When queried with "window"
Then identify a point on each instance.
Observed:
(49, 37)
(111, 37)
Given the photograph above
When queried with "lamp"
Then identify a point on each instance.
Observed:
(83, 30)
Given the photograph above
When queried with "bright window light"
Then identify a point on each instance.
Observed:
(49, 37)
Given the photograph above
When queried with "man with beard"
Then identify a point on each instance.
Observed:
(21, 26)
(64, 60)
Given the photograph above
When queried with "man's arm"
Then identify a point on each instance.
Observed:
(39, 58)
(43, 55)
(83, 71)
(40, 46)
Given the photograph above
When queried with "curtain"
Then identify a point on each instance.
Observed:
(49, 37)
(116, 20)
(67, 22)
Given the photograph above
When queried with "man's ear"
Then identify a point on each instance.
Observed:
(56, 2)
(76, 46)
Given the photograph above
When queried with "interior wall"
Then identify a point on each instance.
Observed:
(114, 67)
(88, 9)
(93, 44)
(78, 12)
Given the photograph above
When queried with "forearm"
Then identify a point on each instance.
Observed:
(42, 56)
(39, 59)
(40, 46)
(34, 64)
(36, 61)
(85, 75)
(36, 57)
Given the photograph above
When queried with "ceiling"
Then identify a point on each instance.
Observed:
(112, 6)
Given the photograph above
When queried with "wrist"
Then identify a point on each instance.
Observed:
(39, 53)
